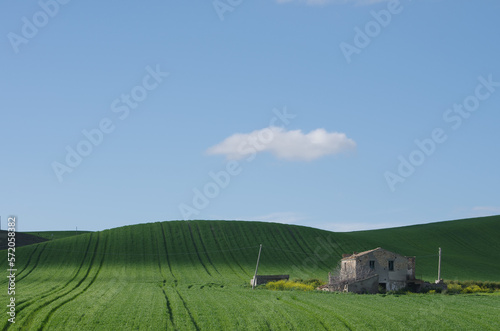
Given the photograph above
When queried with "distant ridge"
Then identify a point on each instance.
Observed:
(227, 249)
(22, 239)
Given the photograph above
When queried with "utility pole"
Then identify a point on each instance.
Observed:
(439, 266)
(256, 269)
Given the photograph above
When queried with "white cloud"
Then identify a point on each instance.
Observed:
(288, 145)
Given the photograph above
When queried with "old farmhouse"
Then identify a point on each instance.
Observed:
(365, 272)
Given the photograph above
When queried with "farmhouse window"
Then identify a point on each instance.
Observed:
(391, 265)
(372, 264)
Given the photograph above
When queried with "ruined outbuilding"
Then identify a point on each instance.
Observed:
(264, 279)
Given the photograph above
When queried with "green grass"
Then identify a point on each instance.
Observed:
(195, 275)
(285, 285)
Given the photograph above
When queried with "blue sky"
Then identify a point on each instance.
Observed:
(341, 115)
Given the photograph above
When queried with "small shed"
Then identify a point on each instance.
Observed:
(264, 279)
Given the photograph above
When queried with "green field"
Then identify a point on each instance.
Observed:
(195, 275)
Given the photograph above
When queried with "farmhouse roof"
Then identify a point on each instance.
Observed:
(355, 255)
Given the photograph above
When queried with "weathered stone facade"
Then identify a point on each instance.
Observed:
(393, 271)
(368, 285)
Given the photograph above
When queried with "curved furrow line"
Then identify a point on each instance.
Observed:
(458, 238)
(160, 268)
(337, 316)
(297, 242)
(297, 236)
(239, 238)
(205, 249)
(233, 259)
(289, 244)
(330, 244)
(285, 254)
(35, 264)
(196, 249)
(282, 317)
(30, 317)
(29, 260)
(25, 266)
(335, 246)
(264, 237)
(53, 310)
(169, 309)
(184, 244)
(43, 295)
(166, 250)
(464, 313)
(308, 311)
(187, 309)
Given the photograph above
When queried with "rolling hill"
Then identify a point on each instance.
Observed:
(22, 239)
(53, 235)
(196, 273)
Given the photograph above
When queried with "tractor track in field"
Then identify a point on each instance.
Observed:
(284, 318)
(306, 244)
(187, 309)
(28, 320)
(289, 242)
(61, 288)
(296, 241)
(337, 316)
(287, 256)
(167, 301)
(29, 259)
(166, 250)
(205, 249)
(169, 307)
(34, 266)
(308, 311)
(53, 310)
(236, 231)
(235, 261)
(20, 275)
(196, 249)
